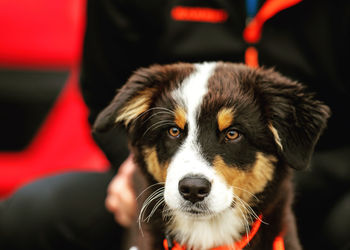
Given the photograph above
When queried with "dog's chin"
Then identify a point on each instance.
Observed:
(199, 211)
(204, 229)
(194, 212)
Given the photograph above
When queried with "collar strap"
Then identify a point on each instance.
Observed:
(277, 245)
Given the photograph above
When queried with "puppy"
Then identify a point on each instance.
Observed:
(216, 143)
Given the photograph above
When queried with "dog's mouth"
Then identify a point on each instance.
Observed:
(198, 209)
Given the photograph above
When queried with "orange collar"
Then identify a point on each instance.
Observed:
(278, 243)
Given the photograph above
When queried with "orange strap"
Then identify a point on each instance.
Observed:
(252, 32)
(176, 246)
(251, 57)
(246, 238)
(278, 244)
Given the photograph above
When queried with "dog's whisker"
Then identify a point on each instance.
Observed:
(167, 211)
(146, 204)
(244, 190)
(158, 183)
(159, 195)
(154, 209)
(155, 108)
(155, 114)
(249, 210)
(252, 212)
(163, 124)
(245, 222)
(162, 108)
(155, 195)
(141, 218)
(243, 209)
(168, 215)
(158, 124)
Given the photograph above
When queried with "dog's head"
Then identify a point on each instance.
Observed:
(216, 134)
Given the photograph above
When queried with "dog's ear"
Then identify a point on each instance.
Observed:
(132, 100)
(137, 96)
(295, 118)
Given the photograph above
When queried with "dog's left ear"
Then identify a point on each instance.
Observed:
(136, 97)
(295, 118)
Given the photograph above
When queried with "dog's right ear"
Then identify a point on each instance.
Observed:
(295, 118)
(131, 101)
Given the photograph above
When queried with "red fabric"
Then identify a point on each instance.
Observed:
(63, 143)
(41, 33)
(199, 14)
(252, 32)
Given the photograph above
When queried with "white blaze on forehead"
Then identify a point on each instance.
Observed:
(190, 95)
(191, 92)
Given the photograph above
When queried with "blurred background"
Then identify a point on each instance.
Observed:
(43, 128)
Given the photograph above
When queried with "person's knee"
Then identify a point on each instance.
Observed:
(60, 212)
(27, 215)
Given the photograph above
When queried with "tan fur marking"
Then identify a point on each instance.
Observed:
(276, 135)
(252, 181)
(135, 107)
(225, 118)
(157, 170)
(180, 117)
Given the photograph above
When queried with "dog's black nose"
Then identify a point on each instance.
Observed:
(194, 189)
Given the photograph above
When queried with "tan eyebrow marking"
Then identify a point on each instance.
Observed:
(225, 118)
(180, 117)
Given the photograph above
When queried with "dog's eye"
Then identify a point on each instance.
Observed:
(174, 132)
(232, 135)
